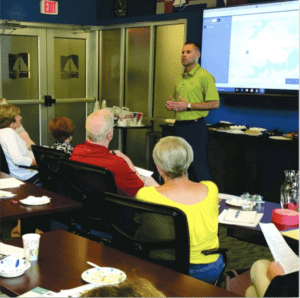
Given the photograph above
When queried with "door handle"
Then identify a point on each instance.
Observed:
(49, 101)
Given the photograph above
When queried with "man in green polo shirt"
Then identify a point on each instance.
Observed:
(196, 94)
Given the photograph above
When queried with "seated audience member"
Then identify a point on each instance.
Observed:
(269, 280)
(199, 201)
(62, 129)
(20, 130)
(14, 147)
(94, 151)
(139, 287)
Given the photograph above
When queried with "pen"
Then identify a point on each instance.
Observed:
(237, 214)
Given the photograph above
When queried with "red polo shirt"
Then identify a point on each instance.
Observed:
(98, 155)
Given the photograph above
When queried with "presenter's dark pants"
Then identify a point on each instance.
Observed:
(196, 134)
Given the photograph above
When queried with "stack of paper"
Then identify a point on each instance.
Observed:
(6, 249)
(10, 183)
(240, 218)
(280, 250)
(145, 174)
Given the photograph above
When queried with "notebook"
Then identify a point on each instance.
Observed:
(240, 216)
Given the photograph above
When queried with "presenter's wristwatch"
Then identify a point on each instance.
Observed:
(189, 106)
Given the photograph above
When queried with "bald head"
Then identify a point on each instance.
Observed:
(98, 125)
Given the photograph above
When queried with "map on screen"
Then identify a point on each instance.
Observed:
(252, 48)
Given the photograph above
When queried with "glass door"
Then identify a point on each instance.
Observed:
(71, 67)
(48, 63)
(22, 82)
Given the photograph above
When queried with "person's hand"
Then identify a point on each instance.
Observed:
(125, 157)
(274, 269)
(179, 106)
(168, 103)
(119, 153)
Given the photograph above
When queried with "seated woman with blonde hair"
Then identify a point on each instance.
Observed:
(14, 147)
(199, 201)
(62, 129)
(20, 130)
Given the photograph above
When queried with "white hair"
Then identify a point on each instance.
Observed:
(98, 125)
(173, 155)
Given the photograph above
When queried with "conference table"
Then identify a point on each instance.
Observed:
(12, 208)
(63, 258)
(254, 235)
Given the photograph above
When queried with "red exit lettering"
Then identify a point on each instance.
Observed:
(49, 7)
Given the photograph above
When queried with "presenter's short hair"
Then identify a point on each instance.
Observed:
(173, 155)
(195, 45)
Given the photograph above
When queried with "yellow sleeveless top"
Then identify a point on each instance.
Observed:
(202, 220)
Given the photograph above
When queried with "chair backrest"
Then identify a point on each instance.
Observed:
(86, 179)
(154, 232)
(49, 166)
(3, 163)
(88, 184)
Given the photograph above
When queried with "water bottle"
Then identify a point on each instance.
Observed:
(103, 104)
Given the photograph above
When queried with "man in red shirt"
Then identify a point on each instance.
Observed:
(94, 151)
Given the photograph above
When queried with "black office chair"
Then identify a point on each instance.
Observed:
(3, 163)
(49, 166)
(153, 232)
(87, 184)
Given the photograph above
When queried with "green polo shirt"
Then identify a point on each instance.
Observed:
(198, 85)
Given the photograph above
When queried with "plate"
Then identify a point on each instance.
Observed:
(237, 127)
(280, 138)
(226, 122)
(253, 135)
(258, 128)
(32, 203)
(235, 202)
(236, 131)
(13, 267)
(103, 276)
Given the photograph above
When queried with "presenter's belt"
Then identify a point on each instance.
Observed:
(191, 121)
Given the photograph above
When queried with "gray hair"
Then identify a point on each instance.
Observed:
(98, 125)
(173, 155)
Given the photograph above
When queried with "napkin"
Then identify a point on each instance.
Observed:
(6, 194)
(36, 200)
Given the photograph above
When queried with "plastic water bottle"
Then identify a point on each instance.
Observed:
(103, 104)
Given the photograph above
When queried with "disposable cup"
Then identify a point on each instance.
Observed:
(31, 244)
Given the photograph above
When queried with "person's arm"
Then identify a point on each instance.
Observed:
(148, 182)
(274, 269)
(182, 105)
(126, 158)
(25, 136)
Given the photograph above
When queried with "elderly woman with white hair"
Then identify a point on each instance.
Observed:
(199, 201)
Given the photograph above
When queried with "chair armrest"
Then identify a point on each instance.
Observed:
(29, 167)
(214, 251)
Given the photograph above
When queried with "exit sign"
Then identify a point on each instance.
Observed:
(49, 7)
